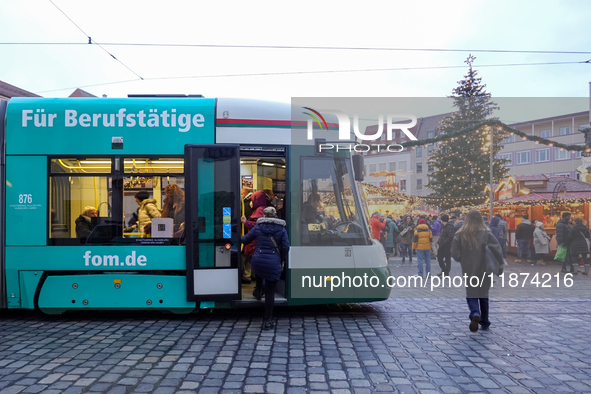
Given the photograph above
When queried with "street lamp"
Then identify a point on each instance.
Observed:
(489, 146)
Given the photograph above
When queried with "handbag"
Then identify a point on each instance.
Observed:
(491, 264)
(560, 253)
(586, 240)
(282, 276)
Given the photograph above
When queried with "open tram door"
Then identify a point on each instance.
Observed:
(212, 222)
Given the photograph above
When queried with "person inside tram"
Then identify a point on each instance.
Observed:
(86, 222)
(147, 211)
(173, 205)
(310, 212)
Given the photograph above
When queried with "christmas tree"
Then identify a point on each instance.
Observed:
(462, 165)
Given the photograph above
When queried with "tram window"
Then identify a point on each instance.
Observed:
(329, 211)
(147, 165)
(81, 166)
(79, 205)
(167, 193)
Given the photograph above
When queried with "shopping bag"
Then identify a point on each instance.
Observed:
(560, 253)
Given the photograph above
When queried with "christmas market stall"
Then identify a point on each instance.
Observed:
(383, 200)
(542, 198)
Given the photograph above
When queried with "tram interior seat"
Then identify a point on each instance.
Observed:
(107, 231)
(59, 230)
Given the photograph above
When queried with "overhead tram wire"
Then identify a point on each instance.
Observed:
(316, 72)
(302, 47)
(90, 41)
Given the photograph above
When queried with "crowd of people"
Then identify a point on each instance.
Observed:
(465, 238)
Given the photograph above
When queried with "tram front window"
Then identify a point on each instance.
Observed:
(330, 215)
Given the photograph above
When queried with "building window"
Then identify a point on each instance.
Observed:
(578, 176)
(431, 149)
(372, 168)
(509, 139)
(392, 166)
(578, 154)
(542, 155)
(561, 154)
(546, 133)
(394, 134)
(382, 167)
(403, 185)
(431, 134)
(430, 167)
(419, 184)
(402, 165)
(567, 174)
(508, 157)
(419, 168)
(419, 151)
(565, 130)
(524, 157)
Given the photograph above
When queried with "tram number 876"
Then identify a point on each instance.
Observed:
(25, 198)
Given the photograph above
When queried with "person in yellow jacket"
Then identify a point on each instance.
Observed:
(422, 241)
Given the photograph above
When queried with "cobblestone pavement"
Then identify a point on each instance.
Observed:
(405, 345)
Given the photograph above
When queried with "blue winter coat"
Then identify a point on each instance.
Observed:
(266, 261)
(392, 229)
(494, 226)
(436, 228)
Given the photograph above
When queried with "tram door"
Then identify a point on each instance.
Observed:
(212, 227)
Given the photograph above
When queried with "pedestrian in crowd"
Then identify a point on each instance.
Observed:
(503, 227)
(460, 222)
(524, 234)
(445, 239)
(469, 248)
(422, 243)
(532, 248)
(562, 231)
(407, 229)
(494, 227)
(541, 243)
(485, 220)
(579, 239)
(377, 224)
(391, 241)
(272, 247)
(436, 231)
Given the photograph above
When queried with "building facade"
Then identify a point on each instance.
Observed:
(526, 157)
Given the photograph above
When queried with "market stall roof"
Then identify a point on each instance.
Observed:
(543, 196)
(571, 184)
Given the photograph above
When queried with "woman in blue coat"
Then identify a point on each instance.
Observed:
(267, 258)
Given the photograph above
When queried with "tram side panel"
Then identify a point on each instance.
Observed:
(3, 105)
(57, 276)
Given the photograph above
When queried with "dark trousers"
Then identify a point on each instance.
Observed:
(479, 306)
(270, 286)
(444, 258)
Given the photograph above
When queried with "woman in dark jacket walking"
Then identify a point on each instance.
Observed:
(469, 248)
(578, 237)
(272, 246)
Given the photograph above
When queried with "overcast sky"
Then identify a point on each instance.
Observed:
(56, 70)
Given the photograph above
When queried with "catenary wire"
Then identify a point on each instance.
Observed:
(313, 72)
(90, 41)
(302, 47)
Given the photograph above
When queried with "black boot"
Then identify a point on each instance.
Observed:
(268, 324)
(257, 293)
